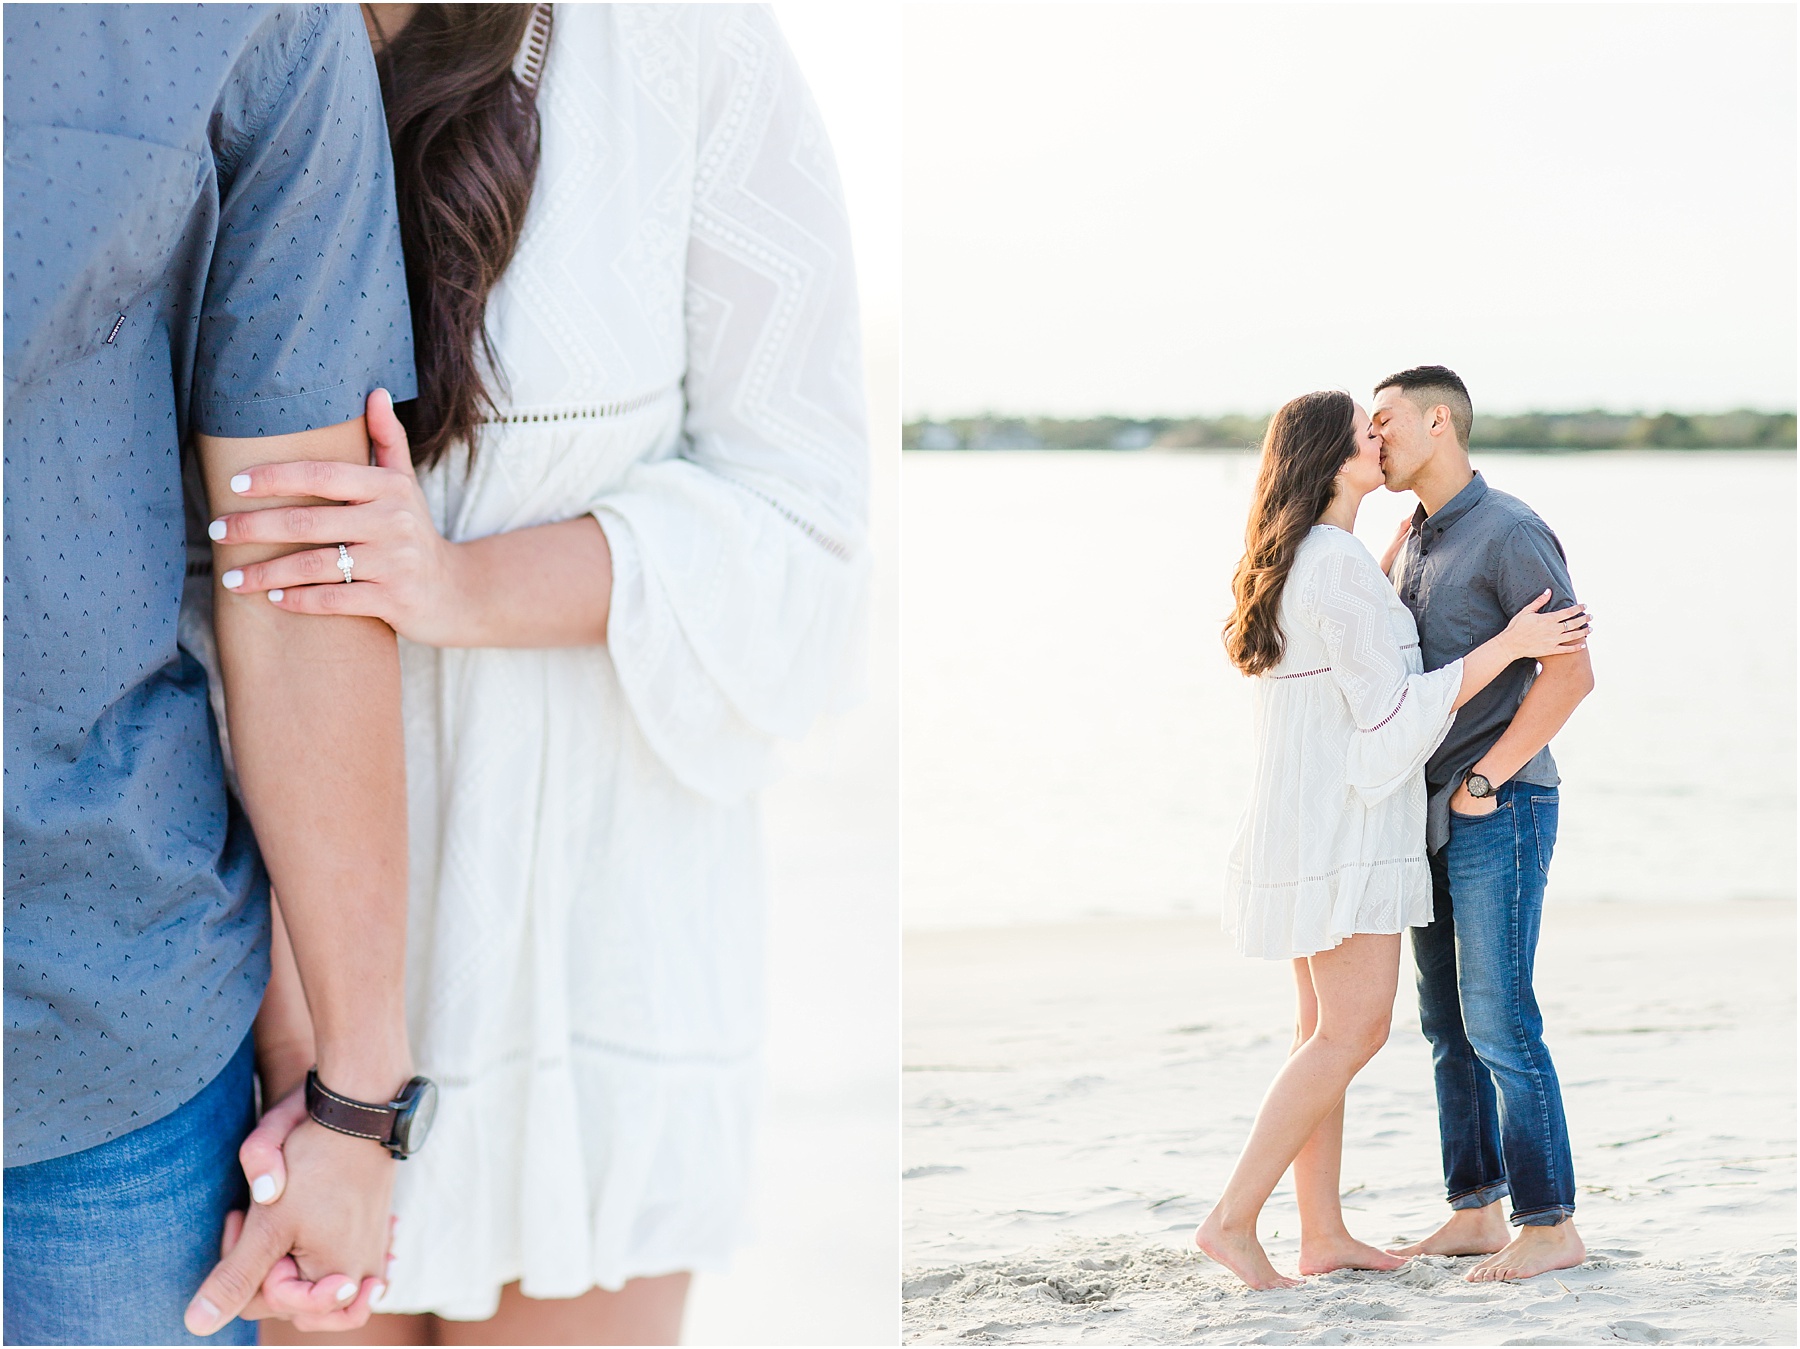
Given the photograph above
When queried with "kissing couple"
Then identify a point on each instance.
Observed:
(1403, 715)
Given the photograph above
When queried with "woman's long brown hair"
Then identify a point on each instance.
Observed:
(1308, 441)
(465, 134)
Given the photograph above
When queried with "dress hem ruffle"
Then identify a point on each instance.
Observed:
(1290, 920)
(564, 1176)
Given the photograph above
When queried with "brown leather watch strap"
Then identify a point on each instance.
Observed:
(357, 1118)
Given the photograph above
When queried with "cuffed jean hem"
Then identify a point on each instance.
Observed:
(1481, 1198)
(1544, 1217)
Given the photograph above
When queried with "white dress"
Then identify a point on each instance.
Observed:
(1333, 840)
(679, 340)
(682, 359)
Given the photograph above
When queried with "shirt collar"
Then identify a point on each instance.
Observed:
(1452, 510)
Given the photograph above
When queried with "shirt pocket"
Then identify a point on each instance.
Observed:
(92, 220)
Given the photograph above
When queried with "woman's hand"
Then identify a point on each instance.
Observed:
(1392, 553)
(332, 1303)
(1537, 635)
(402, 569)
(260, 1152)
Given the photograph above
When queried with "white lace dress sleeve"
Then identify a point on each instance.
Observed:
(740, 565)
(1401, 716)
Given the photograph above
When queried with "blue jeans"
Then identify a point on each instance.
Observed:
(1500, 1110)
(110, 1244)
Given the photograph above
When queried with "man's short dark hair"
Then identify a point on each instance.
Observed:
(1429, 385)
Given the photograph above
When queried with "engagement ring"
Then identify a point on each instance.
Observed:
(345, 562)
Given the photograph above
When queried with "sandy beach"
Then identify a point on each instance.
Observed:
(1076, 1094)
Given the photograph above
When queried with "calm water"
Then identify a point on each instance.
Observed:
(1075, 743)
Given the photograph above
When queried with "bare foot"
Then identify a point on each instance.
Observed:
(1321, 1255)
(1536, 1250)
(1470, 1231)
(1239, 1252)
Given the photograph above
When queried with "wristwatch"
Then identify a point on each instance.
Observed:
(1477, 786)
(400, 1125)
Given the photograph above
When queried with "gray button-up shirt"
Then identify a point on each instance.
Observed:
(200, 236)
(1464, 572)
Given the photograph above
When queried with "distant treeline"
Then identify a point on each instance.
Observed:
(1530, 431)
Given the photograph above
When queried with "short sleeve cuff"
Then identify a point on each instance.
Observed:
(303, 410)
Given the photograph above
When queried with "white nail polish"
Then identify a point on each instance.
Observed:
(203, 1317)
(275, 596)
(346, 1291)
(262, 1189)
(379, 1293)
(231, 580)
(241, 483)
(216, 530)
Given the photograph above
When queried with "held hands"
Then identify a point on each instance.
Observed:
(1538, 635)
(321, 1204)
(403, 569)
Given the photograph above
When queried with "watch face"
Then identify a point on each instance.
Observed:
(418, 1107)
(1479, 786)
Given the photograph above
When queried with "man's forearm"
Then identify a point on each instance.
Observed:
(314, 708)
(1559, 688)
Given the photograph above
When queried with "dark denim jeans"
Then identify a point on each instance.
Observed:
(1500, 1110)
(110, 1244)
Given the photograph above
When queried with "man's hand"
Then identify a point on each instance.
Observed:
(332, 1216)
(334, 1303)
(1461, 803)
(1561, 684)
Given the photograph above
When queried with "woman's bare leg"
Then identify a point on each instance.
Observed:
(1318, 1167)
(1325, 1242)
(380, 1330)
(644, 1311)
(1354, 985)
(1319, 1163)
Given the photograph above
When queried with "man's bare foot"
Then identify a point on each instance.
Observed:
(1239, 1252)
(1536, 1250)
(1321, 1255)
(1470, 1231)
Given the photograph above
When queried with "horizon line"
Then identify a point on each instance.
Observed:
(914, 418)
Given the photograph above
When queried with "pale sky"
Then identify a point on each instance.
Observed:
(1200, 208)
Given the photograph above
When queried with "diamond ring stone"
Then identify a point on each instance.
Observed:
(345, 562)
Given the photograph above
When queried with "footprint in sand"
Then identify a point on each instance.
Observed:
(1640, 1332)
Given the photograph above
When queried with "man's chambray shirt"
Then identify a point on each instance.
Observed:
(200, 237)
(1464, 572)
